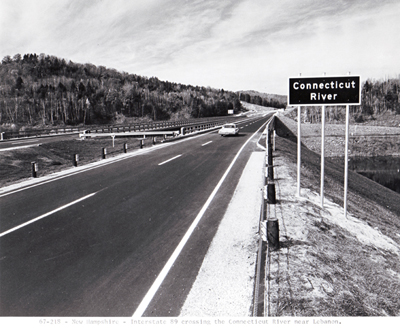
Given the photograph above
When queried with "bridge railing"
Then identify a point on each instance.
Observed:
(190, 124)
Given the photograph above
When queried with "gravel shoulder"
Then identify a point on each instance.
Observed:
(224, 285)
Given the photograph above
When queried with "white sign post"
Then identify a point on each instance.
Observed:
(298, 150)
(322, 155)
(346, 160)
(322, 91)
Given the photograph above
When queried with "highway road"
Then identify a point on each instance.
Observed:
(123, 239)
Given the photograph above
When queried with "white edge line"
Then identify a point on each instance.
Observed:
(47, 214)
(74, 171)
(264, 132)
(261, 146)
(173, 158)
(18, 147)
(160, 278)
(209, 142)
(22, 142)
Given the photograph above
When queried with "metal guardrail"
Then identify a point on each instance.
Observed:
(37, 133)
(115, 128)
(85, 134)
(184, 130)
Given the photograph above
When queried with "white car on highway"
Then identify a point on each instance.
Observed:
(228, 130)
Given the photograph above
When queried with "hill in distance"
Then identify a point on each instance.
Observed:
(263, 99)
(44, 90)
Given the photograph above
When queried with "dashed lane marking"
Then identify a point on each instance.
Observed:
(173, 158)
(47, 214)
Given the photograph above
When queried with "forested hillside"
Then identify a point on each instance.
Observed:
(41, 90)
(46, 90)
(378, 97)
(263, 99)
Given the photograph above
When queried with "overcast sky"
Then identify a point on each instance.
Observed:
(230, 44)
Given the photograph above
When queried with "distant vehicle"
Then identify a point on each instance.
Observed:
(229, 130)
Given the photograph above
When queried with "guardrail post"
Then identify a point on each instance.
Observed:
(182, 131)
(2, 135)
(141, 143)
(270, 171)
(154, 140)
(271, 196)
(270, 155)
(104, 153)
(76, 159)
(273, 233)
(34, 169)
(125, 147)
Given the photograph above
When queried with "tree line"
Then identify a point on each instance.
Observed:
(46, 90)
(377, 97)
(262, 101)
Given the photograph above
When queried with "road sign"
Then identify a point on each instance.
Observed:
(324, 91)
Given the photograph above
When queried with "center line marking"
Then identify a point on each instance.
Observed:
(207, 143)
(173, 158)
(47, 214)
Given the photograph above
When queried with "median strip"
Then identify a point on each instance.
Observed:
(47, 214)
(173, 158)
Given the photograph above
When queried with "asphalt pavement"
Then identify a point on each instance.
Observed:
(95, 242)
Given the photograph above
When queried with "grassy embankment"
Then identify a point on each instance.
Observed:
(15, 165)
(329, 265)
